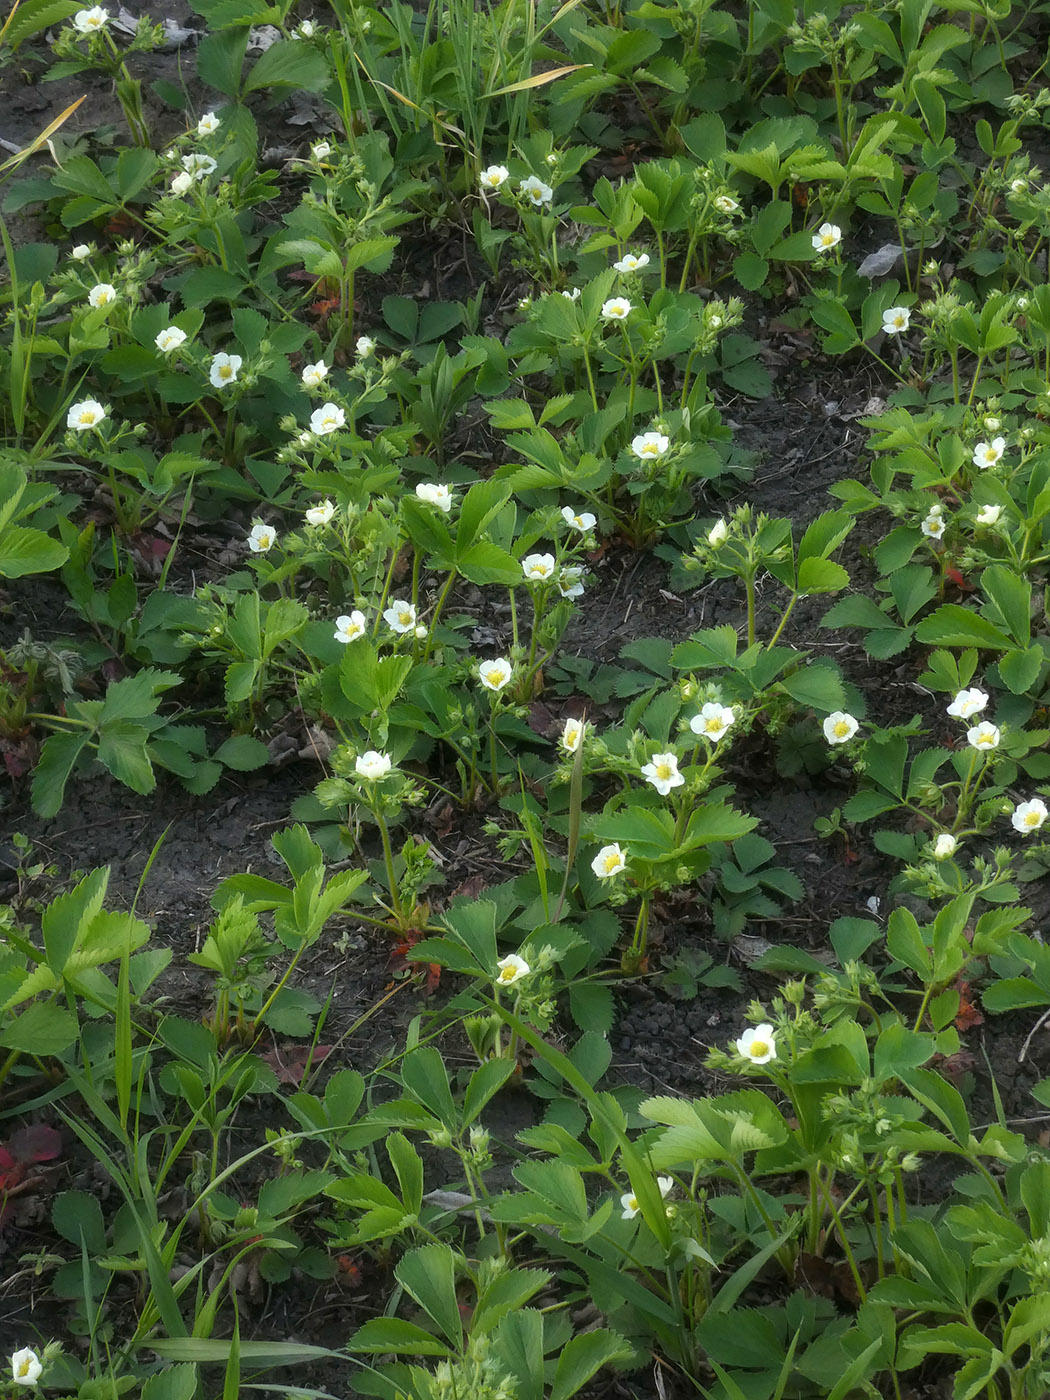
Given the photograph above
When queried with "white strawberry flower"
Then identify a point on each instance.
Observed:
(81, 252)
(573, 294)
(718, 533)
(494, 675)
(632, 262)
(572, 735)
(511, 969)
(364, 346)
(536, 191)
(401, 617)
(629, 1206)
(262, 538)
(198, 166)
(208, 124)
(90, 21)
(609, 861)
(895, 321)
(570, 582)
(758, 1044)
(350, 627)
(306, 30)
(934, 525)
(616, 309)
(314, 375)
(321, 150)
(944, 846)
(26, 1366)
(828, 236)
(662, 772)
(181, 183)
(1029, 816)
(967, 703)
(581, 520)
(988, 515)
(984, 736)
(373, 765)
(538, 568)
(713, 721)
(224, 369)
(329, 418)
(103, 294)
(170, 339)
(320, 515)
(435, 494)
(840, 727)
(726, 205)
(647, 446)
(493, 178)
(88, 414)
(986, 454)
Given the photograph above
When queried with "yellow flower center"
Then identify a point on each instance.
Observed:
(405, 619)
(88, 416)
(507, 974)
(759, 1047)
(611, 863)
(1032, 818)
(632, 1203)
(712, 726)
(664, 771)
(842, 730)
(225, 371)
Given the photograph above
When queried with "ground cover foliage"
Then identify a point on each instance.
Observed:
(523, 533)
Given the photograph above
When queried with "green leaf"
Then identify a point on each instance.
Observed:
(584, 1355)
(122, 748)
(429, 1275)
(1010, 599)
(26, 550)
(42, 1029)
(1020, 669)
(78, 1218)
(243, 753)
(173, 1383)
(57, 758)
(818, 686)
(291, 65)
(955, 626)
(486, 1081)
(393, 1334)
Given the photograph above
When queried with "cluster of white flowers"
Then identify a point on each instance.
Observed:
(983, 736)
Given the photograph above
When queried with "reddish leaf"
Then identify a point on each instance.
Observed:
(968, 1015)
(289, 1062)
(36, 1143)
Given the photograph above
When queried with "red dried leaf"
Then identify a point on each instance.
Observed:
(289, 1062)
(37, 1142)
(968, 1015)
